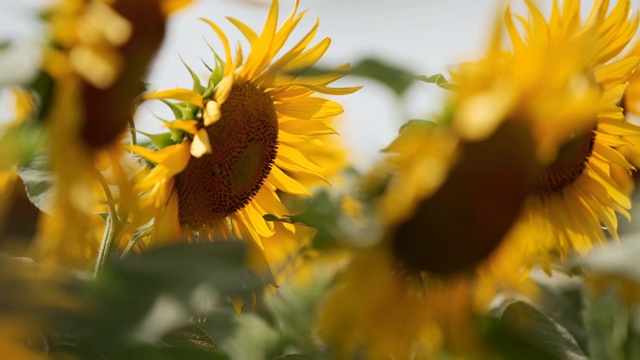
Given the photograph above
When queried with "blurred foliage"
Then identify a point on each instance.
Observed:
(136, 309)
(395, 77)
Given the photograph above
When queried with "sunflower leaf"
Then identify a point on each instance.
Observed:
(417, 123)
(39, 181)
(525, 332)
(5, 45)
(190, 336)
(43, 85)
(394, 77)
(437, 79)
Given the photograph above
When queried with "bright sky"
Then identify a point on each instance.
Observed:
(425, 36)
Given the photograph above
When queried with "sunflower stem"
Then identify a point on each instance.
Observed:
(132, 130)
(112, 227)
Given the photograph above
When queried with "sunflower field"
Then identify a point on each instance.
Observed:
(234, 204)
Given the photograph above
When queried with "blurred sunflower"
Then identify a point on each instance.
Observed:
(573, 112)
(524, 157)
(97, 54)
(240, 139)
(448, 203)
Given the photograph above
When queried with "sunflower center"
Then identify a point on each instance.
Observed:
(244, 145)
(568, 166)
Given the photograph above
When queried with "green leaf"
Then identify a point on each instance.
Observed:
(162, 286)
(417, 124)
(190, 336)
(5, 45)
(439, 80)
(297, 357)
(322, 213)
(39, 181)
(562, 298)
(43, 86)
(394, 77)
(524, 332)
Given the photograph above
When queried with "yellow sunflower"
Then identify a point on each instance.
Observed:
(240, 139)
(572, 108)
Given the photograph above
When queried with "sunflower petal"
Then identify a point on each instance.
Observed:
(190, 96)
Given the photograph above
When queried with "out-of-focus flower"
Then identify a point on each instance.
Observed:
(241, 138)
(417, 293)
(572, 108)
(520, 163)
(92, 70)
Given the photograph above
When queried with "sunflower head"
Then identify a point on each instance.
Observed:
(571, 109)
(246, 133)
(244, 140)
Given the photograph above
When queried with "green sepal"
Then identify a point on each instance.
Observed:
(183, 111)
(161, 140)
(197, 84)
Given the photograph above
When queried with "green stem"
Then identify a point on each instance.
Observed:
(112, 228)
(132, 130)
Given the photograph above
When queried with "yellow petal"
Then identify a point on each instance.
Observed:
(310, 108)
(246, 30)
(224, 88)
(188, 126)
(305, 127)
(287, 184)
(228, 66)
(190, 96)
(171, 156)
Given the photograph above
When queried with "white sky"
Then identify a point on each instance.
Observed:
(425, 36)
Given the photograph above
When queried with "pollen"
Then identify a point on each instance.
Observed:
(244, 146)
(568, 166)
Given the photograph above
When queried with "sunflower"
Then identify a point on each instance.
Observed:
(572, 108)
(240, 140)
